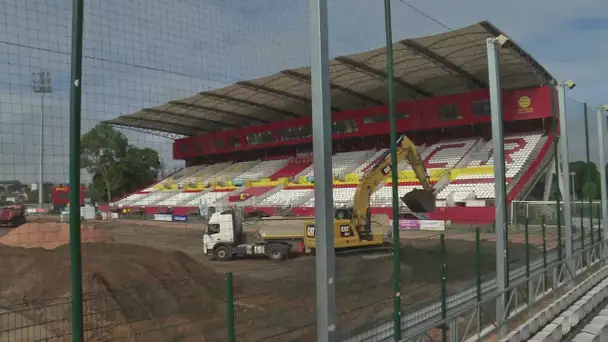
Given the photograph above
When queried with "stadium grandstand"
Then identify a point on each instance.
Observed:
(249, 144)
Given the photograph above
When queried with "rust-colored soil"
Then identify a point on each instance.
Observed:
(138, 288)
(50, 235)
(132, 293)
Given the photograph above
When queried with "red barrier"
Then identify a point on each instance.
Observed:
(303, 211)
(185, 210)
(465, 215)
(267, 210)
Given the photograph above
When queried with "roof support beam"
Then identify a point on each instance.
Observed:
(280, 93)
(471, 80)
(191, 130)
(160, 133)
(190, 117)
(306, 78)
(539, 70)
(381, 74)
(211, 109)
(251, 103)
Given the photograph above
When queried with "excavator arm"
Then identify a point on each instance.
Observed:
(417, 200)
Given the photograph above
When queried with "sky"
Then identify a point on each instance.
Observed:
(141, 53)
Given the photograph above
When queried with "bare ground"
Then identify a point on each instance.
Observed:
(152, 282)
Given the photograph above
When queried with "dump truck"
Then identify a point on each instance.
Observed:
(225, 239)
(12, 215)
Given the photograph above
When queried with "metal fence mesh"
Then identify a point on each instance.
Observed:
(145, 279)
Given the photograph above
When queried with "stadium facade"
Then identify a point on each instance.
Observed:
(250, 144)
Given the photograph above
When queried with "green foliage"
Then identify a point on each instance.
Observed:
(590, 191)
(586, 182)
(116, 166)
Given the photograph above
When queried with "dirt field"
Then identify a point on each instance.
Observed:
(149, 281)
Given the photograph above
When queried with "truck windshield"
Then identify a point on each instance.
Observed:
(213, 229)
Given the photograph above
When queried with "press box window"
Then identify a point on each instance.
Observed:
(234, 142)
(449, 112)
(343, 126)
(259, 138)
(481, 107)
(385, 117)
(292, 133)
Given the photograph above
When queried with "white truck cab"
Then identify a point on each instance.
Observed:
(224, 233)
(224, 227)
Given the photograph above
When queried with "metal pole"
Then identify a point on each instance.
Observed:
(572, 174)
(582, 212)
(41, 82)
(594, 250)
(75, 130)
(588, 178)
(394, 173)
(601, 233)
(544, 232)
(527, 246)
(561, 95)
(478, 275)
(499, 179)
(556, 164)
(322, 148)
(230, 307)
(41, 171)
(601, 222)
(444, 292)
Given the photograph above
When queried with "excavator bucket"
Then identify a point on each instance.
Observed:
(419, 201)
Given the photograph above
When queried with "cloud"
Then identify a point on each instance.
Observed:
(143, 53)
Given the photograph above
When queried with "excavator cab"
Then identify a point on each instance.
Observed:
(420, 201)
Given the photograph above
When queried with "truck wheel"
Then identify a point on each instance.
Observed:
(223, 253)
(276, 253)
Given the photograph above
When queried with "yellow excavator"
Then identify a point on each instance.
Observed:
(353, 226)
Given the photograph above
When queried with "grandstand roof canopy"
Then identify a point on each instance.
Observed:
(446, 63)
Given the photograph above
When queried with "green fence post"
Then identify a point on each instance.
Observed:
(444, 306)
(478, 274)
(583, 237)
(230, 308)
(599, 231)
(478, 263)
(395, 172)
(75, 131)
(527, 255)
(593, 251)
(544, 232)
(507, 268)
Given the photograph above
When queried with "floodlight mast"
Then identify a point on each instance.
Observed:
(565, 174)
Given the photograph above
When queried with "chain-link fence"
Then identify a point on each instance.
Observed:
(148, 274)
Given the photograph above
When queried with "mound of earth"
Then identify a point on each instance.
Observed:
(50, 235)
(132, 293)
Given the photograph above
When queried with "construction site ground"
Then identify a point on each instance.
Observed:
(149, 280)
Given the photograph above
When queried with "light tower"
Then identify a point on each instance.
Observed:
(41, 84)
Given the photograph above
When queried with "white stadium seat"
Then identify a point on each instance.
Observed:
(342, 197)
(286, 198)
(262, 170)
(519, 152)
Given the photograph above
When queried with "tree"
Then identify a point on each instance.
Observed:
(115, 165)
(586, 182)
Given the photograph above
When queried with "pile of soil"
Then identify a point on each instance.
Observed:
(50, 235)
(132, 293)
